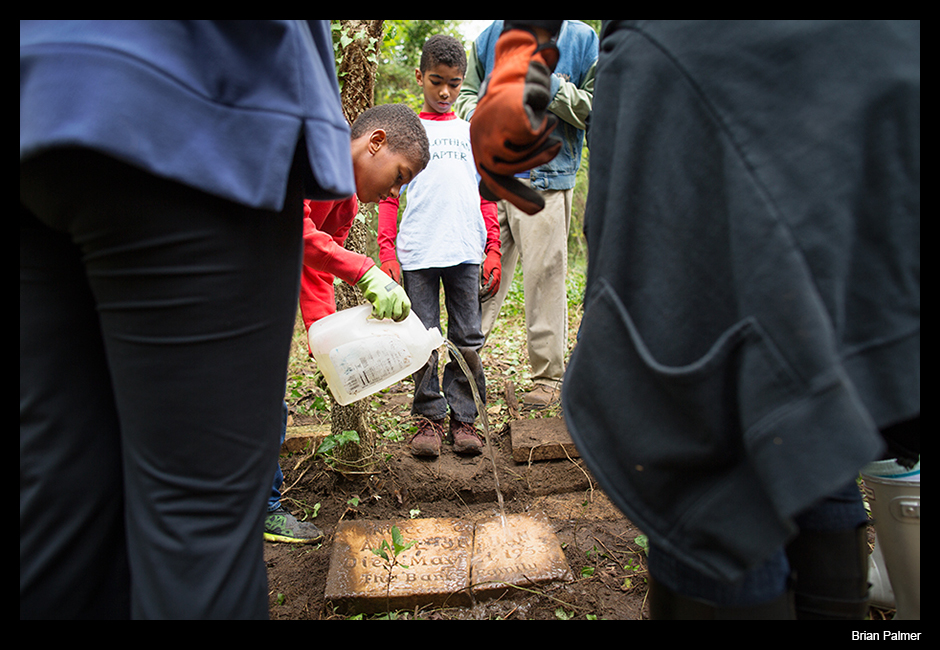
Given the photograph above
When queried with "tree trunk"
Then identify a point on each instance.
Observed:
(356, 71)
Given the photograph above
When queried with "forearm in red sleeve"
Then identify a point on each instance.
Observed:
(491, 221)
(317, 298)
(388, 229)
(325, 252)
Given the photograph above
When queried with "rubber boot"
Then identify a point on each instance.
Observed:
(667, 605)
(831, 574)
(893, 494)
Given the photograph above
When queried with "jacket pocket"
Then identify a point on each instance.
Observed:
(671, 436)
(707, 404)
(712, 458)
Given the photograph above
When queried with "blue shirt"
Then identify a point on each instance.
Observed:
(218, 105)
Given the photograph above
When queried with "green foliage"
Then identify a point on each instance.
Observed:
(341, 40)
(391, 552)
(334, 441)
(577, 245)
(563, 615)
(401, 55)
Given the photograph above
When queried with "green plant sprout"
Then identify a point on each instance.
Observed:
(335, 440)
(390, 554)
(396, 548)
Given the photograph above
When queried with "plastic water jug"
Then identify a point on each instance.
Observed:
(359, 355)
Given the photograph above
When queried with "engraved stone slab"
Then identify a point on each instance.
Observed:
(541, 439)
(449, 558)
(437, 573)
(523, 552)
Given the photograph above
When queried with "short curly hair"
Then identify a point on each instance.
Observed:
(403, 130)
(443, 49)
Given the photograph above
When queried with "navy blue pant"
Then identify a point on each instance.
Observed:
(842, 510)
(155, 328)
(274, 498)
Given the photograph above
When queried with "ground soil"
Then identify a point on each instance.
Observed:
(593, 534)
(600, 544)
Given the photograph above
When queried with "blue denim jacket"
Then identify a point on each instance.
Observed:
(578, 45)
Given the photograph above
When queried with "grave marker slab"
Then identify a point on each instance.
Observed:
(523, 553)
(437, 573)
(449, 558)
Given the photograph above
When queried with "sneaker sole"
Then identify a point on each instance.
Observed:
(271, 537)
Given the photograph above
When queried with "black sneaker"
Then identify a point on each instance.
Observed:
(282, 526)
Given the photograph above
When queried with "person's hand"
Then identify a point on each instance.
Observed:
(511, 129)
(392, 269)
(490, 274)
(388, 298)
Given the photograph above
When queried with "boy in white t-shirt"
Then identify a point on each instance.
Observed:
(447, 233)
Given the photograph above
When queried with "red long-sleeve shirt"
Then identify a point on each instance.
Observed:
(326, 226)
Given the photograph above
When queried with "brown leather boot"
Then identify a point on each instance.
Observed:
(427, 441)
(540, 397)
(466, 438)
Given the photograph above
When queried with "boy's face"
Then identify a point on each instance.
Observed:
(380, 172)
(441, 84)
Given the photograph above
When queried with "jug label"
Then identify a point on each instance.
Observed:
(364, 363)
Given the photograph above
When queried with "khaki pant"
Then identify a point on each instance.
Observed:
(541, 241)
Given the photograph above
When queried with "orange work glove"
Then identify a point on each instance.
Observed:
(511, 129)
(392, 269)
(490, 274)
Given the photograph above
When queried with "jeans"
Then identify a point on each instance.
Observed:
(843, 510)
(274, 500)
(155, 329)
(462, 299)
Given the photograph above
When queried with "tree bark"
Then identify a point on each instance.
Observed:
(356, 71)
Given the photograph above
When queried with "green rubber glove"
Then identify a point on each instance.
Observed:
(388, 298)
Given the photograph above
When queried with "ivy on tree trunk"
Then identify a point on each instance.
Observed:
(358, 52)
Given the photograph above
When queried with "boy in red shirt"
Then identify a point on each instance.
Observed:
(389, 147)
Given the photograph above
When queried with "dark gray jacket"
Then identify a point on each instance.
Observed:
(753, 296)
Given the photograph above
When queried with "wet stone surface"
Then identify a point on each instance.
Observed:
(434, 571)
(523, 552)
(449, 559)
